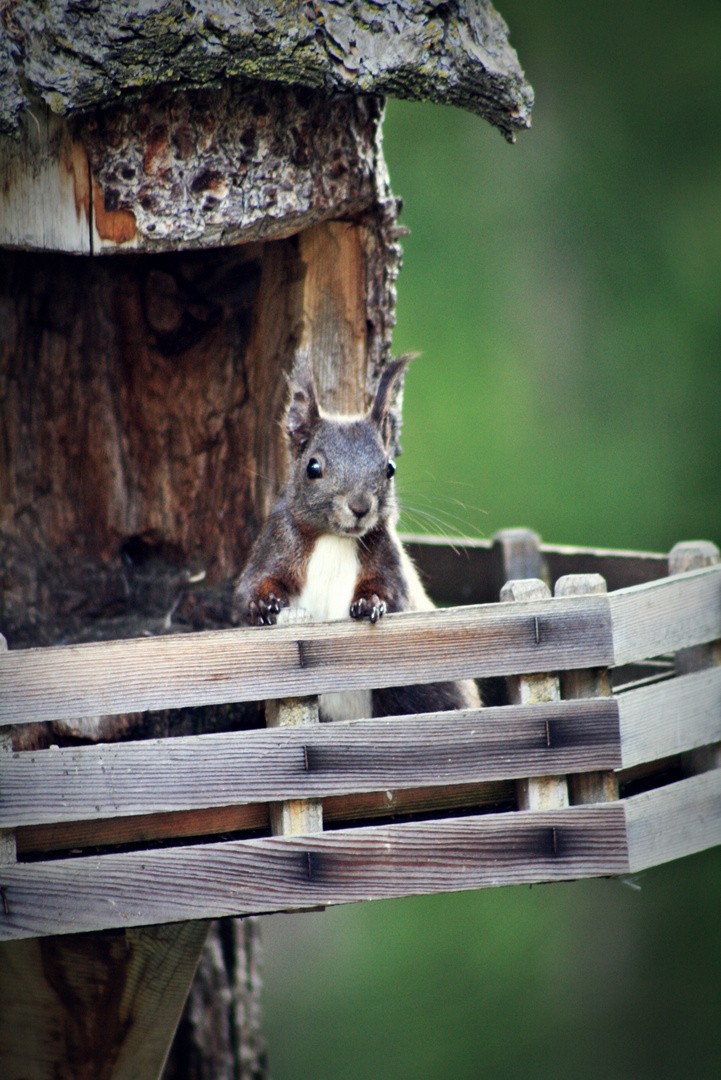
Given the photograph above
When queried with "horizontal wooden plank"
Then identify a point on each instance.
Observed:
(34, 841)
(217, 667)
(674, 821)
(347, 865)
(670, 614)
(670, 717)
(161, 775)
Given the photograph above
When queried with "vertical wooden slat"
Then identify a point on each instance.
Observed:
(589, 787)
(517, 556)
(542, 792)
(685, 556)
(295, 816)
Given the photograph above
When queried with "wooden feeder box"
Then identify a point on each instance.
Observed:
(236, 191)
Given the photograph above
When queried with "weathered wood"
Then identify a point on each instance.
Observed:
(78, 58)
(188, 353)
(141, 829)
(587, 787)
(340, 866)
(674, 821)
(294, 816)
(539, 792)
(241, 665)
(44, 186)
(517, 557)
(692, 555)
(365, 807)
(199, 169)
(670, 614)
(95, 1007)
(670, 717)
(308, 761)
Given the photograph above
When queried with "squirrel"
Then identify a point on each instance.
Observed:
(330, 550)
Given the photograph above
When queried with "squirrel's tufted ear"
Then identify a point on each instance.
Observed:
(381, 409)
(302, 413)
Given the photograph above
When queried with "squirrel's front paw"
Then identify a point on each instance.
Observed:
(264, 612)
(371, 607)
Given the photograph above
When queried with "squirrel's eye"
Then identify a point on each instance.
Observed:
(314, 469)
(390, 469)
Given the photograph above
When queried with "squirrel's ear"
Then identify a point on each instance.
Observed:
(302, 413)
(381, 408)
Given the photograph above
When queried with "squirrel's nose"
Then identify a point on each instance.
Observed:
(359, 505)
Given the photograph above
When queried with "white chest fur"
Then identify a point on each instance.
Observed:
(330, 581)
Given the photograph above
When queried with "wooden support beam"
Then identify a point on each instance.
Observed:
(543, 792)
(100, 1006)
(602, 785)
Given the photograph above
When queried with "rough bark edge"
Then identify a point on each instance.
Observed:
(454, 53)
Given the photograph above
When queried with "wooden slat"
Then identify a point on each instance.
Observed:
(72, 836)
(223, 666)
(161, 775)
(666, 615)
(588, 787)
(550, 790)
(670, 717)
(343, 866)
(674, 821)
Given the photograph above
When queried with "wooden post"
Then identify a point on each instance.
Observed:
(100, 1006)
(296, 816)
(590, 787)
(685, 556)
(539, 792)
(518, 557)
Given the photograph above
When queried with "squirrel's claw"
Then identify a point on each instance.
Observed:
(264, 613)
(372, 608)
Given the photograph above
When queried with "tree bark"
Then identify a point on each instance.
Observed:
(77, 56)
(220, 1035)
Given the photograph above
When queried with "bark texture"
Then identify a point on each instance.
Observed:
(213, 167)
(79, 55)
(202, 168)
(220, 1036)
(140, 397)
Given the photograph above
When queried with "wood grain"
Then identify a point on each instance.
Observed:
(670, 717)
(588, 787)
(243, 665)
(161, 775)
(667, 615)
(343, 866)
(100, 1007)
(550, 790)
(674, 821)
(34, 841)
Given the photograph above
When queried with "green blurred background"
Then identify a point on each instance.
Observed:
(565, 294)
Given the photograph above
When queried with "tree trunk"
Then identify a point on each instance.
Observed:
(140, 451)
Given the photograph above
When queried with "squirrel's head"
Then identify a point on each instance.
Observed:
(341, 471)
